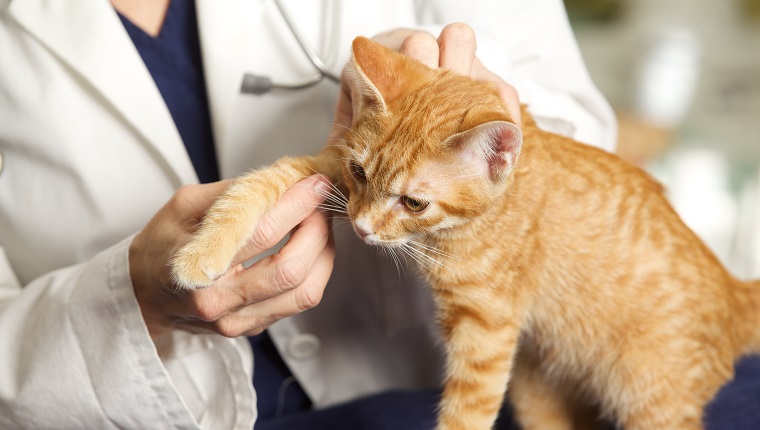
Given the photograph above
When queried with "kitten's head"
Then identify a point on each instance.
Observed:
(429, 150)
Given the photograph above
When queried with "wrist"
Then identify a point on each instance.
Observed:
(147, 293)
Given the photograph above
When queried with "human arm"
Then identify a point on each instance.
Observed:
(74, 351)
(77, 337)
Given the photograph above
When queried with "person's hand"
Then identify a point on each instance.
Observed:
(243, 301)
(454, 50)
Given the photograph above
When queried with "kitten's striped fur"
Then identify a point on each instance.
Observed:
(565, 275)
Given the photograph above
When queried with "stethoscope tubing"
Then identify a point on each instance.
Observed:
(258, 84)
(313, 57)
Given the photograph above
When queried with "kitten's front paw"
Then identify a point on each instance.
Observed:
(196, 265)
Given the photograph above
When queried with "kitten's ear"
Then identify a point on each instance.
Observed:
(493, 147)
(378, 73)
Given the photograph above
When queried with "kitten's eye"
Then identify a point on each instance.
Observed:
(415, 205)
(358, 170)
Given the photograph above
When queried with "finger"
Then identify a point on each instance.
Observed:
(393, 38)
(284, 271)
(297, 203)
(254, 319)
(508, 93)
(512, 102)
(192, 201)
(290, 267)
(422, 47)
(457, 48)
(306, 296)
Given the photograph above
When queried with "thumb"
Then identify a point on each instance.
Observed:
(198, 198)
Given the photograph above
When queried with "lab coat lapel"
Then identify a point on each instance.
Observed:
(91, 39)
(228, 48)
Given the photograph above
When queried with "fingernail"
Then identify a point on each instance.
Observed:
(320, 184)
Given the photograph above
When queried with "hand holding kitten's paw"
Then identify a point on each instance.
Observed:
(235, 301)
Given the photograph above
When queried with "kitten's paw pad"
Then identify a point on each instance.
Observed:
(195, 267)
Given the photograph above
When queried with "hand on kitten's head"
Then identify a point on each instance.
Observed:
(453, 50)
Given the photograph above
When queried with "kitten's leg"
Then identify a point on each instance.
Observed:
(664, 413)
(481, 344)
(542, 405)
(662, 398)
(231, 220)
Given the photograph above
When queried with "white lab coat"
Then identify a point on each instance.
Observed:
(90, 153)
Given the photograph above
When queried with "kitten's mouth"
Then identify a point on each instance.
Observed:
(373, 239)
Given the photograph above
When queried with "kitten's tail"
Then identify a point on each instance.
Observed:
(749, 298)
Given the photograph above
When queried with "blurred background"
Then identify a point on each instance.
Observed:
(684, 79)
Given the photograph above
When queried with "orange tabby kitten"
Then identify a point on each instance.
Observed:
(566, 276)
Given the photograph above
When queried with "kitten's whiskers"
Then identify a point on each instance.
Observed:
(396, 260)
(434, 250)
(423, 258)
(406, 249)
(341, 125)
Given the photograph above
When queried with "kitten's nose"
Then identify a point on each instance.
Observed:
(361, 232)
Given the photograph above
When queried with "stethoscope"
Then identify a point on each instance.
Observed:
(258, 84)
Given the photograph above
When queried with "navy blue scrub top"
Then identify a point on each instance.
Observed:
(174, 61)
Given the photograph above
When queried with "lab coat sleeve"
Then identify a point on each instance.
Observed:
(531, 45)
(75, 353)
